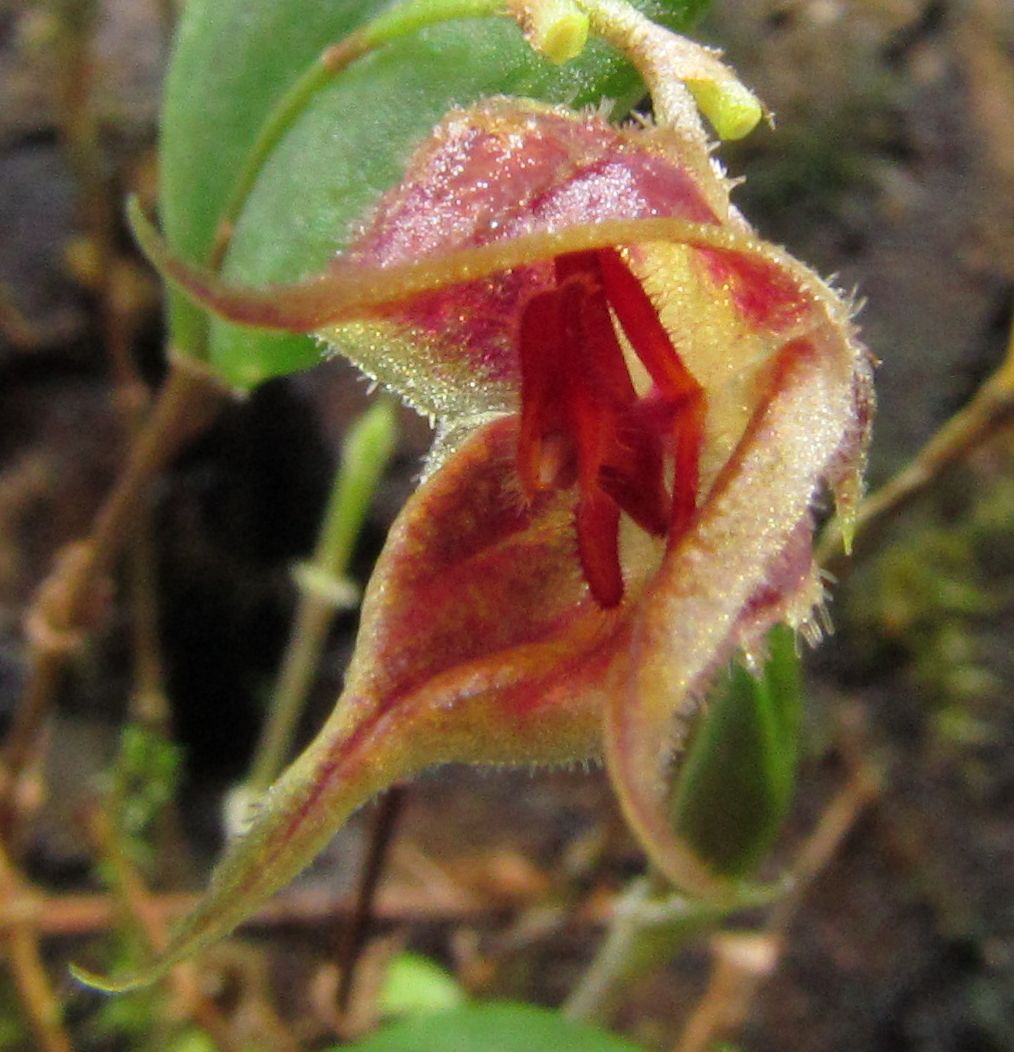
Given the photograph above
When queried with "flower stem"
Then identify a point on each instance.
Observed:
(595, 993)
(743, 961)
(650, 925)
(367, 450)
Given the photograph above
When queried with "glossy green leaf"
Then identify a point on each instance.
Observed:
(232, 62)
(738, 777)
(492, 1028)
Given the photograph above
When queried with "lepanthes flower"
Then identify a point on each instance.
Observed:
(638, 403)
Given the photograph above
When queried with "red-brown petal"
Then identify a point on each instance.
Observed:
(743, 566)
(478, 643)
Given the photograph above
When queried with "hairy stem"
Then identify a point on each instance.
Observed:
(650, 925)
(744, 960)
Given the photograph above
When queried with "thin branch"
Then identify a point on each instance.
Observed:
(366, 452)
(150, 924)
(77, 916)
(990, 411)
(41, 1005)
(79, 129)
(741, 961)
(73, 598)
(381, 837)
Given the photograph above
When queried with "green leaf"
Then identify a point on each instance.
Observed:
(414, 986)
(739, 774)
(233, 61)
(492, 1028)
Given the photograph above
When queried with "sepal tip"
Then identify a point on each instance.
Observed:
(731, 107)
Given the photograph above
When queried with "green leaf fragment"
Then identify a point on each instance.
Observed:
(500, 1027)
(739, 773)
(415, 985)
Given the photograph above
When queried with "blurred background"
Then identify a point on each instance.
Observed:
(891, 166)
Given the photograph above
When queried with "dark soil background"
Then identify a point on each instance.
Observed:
(892, 166)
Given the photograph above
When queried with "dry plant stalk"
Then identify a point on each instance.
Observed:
(41, 1006)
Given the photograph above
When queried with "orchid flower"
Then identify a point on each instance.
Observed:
(638, 402)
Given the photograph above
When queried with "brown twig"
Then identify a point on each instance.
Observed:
(26, 334)
(79, 129)
(73, 598)
(150, 924)
(76, 916)
(118, 312)
(40, 1003)
(740, 962)
(990, 410)
(355, 935)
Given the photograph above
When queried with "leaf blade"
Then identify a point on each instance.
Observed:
(494, 1027)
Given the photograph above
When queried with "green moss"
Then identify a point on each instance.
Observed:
(930, 599)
